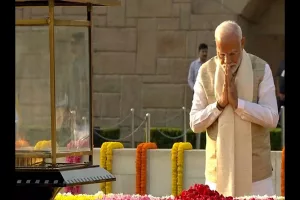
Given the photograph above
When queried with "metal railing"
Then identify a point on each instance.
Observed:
(146, 121)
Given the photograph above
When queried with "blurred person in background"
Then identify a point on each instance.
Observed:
(195, 65)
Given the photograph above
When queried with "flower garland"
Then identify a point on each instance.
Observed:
(106, 158)
(103, 162)
(283, 172)
(174, 167)
(177, 156)
(138, 164)
(109, 159)
(141, 166)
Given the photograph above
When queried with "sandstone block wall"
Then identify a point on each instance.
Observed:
(142, 51)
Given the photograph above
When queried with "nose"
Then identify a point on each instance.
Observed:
(227, 59)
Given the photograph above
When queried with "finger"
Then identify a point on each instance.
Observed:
(227, 76)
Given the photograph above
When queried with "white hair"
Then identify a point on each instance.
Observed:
(228, 27)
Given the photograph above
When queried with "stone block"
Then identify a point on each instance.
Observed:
(163, 66)
(146, 47)
(157, 117)
(116, 15)
(124, 184)
(31, 65)
(211, 51)
(132, 8)
(72, 17)
(196, 166)
(107, 83)
(171, 44)
(182, 1)
(165, 173)
(156, 79)
(99, 10)
(44, 11)
(106, 122)
(130, 96)
(34, 91)
(146, 8)
(114, 39)
(131, 22)
(206, 37)
(174, 118)
(96, 104)
(192, 44)
(35, 115)
(99, 21)
(19, 13)
(162, 96)
(209, 21)
(209, 7)
(175, 10)
(176, 68)
(77, 10)
(114, 63)
(110, 105)
(168, 24)
(26, 13)
(185, 13)
(179, 70)
(124, 161)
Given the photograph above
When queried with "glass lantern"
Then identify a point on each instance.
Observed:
(54, 85)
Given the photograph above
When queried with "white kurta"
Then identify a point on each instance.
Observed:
(264, 113)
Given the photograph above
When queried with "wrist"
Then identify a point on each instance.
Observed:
(219, 106)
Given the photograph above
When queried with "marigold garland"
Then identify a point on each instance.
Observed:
(283, 172)
(106, 158)
(109, 159)
(174, 168)
(141, 166)
(138, 168)
(177, 156)
(103, 163)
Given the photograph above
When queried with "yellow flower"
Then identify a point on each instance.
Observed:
(69, 196)
(174, 167)
(103, 162)
(180, 163)
(109, 147)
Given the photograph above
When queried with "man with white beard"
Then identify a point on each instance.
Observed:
(235, 102)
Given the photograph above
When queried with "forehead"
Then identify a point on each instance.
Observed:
(228, 45)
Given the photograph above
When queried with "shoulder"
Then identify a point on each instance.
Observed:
(208, 66)
(257, 60)
(193, 63)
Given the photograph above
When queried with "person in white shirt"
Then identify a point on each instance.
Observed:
(196, 64)
(234, 101)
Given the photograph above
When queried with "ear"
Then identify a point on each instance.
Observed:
(243, 42)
